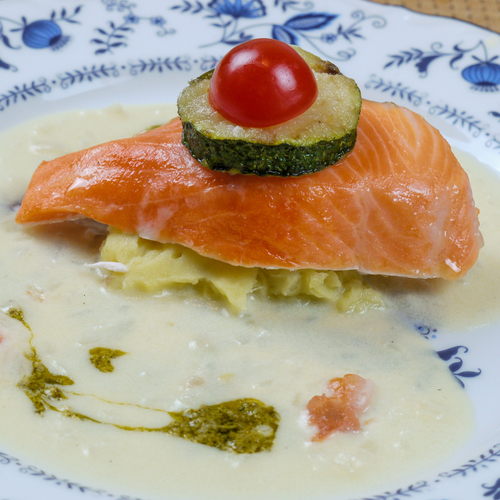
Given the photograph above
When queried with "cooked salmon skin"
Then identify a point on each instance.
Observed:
(398, 204)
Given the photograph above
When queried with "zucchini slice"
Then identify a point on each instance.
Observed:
(317, 138)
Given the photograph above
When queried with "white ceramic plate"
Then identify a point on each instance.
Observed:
(89, 54)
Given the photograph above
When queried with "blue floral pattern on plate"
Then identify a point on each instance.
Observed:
(38, 34)
(312, 27)
(329, 32)
(450, 73)
(31, 470)
(116, 34)
(483, 74)
(450, 355)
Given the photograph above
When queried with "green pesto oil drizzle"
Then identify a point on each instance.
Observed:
(101, 358)
(241, 426)
(40, 385)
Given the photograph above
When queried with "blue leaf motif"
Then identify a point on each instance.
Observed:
(455, 59)
(7, 43)
(310, 21)
(493, 490)
(282, 34)
(221, 25)
(423, 64)
(447, 354)
(4, 65)
(243, 37)
(469, 374)
(456, 365)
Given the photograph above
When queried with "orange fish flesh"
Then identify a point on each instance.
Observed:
(398, 204)
(339, 409)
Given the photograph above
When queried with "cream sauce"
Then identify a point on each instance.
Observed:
(184, 352)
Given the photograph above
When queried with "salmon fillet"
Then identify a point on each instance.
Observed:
(398, 204)
(338, 410)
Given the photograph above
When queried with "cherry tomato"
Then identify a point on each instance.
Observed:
(261, 83)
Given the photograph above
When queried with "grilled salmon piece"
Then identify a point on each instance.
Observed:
(398, 204)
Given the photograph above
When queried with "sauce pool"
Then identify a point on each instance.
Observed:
(184, 352)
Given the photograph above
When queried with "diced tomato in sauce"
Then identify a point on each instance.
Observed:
(338, 410)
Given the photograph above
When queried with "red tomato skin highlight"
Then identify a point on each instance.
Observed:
(261, 83)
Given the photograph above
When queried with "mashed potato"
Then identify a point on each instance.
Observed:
(156, 267)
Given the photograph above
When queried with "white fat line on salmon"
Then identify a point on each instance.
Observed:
(79, 184)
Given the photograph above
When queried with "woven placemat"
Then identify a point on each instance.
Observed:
(485, 13)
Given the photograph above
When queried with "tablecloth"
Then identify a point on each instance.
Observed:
(485, 13)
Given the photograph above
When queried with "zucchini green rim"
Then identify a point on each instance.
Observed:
(312, 144)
